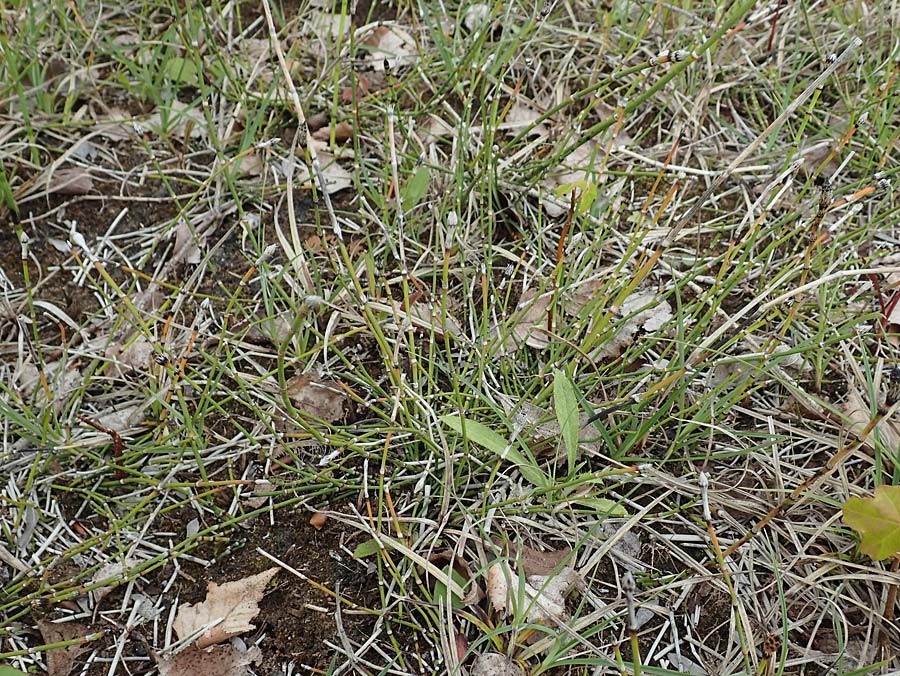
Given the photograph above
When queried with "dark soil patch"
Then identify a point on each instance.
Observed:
(296, 622)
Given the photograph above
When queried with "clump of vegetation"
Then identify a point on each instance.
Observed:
(514, 339)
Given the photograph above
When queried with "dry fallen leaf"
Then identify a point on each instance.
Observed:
(544, 593)
(343, 131)
(70, 181)
(641, 310)
(323, 399)
(110, 570)
(390, 47)
(187, 243)
(61, 660)
(336, 177)
(531, 312)
(536, 562)
(220, 660)
(318, 520)
(227, 610)
(136, 355)
(178, 120)
(859, 413)
(495, 664)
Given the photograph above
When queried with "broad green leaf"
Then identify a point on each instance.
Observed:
(602, 506)
(587, 194)
(364, 549)
(9, 671)
(489, 439)
(182, 71)
(565, 400)
(416, 187)
(586, 199)
(440, 589)
(877, 520)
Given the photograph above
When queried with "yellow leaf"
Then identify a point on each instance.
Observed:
(877, 520)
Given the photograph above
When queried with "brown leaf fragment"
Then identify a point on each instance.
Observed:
(187, 243)
(336, 177)
(390, 47)
(220, 660)
(859, 413)
(227, 610)
(343, 132)
(531, 312)
(323, 399)
(70, 181)
(318, 520)
(536, 562)
(61, 660)
(495, 664)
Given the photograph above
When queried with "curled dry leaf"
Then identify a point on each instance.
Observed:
(187, 243)
(641, 310)
(178, 120)
(544, 594)
(62, 381)
(859, 413)
(495, 664)
(256, 500)
(343, 132)
(226, 612)
(389, 47)
(220, 660)
(531, 326)
(70, 181)
(336, 177)
(535, 562)
(323, 399)
(136, 355)
(61, 660)
(110, 570)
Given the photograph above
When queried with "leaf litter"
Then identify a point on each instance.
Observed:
(547, 581)
(323, 399)
(226, 613)
(641, 311)
(60, 661)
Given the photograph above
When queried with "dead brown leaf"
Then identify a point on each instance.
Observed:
(61, 660)
(532, 323)
(323, 399)
(70, 181)
(227, 610)
(343, 132)
(220, 660)
(860, 414)
(187, 243)
(336, 177)
(390, 47)
(536, 562)
(318, 520)
(495, 664)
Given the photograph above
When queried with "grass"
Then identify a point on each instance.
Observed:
(525, 238)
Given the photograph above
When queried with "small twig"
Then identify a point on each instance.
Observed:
(118, 444)
(629, 587)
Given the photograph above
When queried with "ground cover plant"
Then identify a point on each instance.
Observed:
(434, 337)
